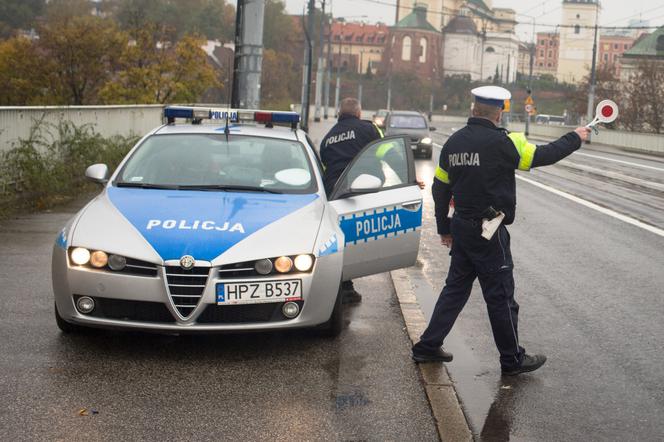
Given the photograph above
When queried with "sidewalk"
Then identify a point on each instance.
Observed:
(445, 406)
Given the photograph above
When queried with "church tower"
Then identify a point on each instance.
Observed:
(440, 12)
(576, 39)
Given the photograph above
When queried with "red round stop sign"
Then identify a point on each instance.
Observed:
(607, 111)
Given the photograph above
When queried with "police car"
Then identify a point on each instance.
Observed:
(220, 223)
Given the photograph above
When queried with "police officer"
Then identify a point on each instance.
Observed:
(477, 171)
(339, 147)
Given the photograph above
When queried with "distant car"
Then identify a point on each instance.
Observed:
(222, 224)
(379, 118)
(413, 125)
(554, 120)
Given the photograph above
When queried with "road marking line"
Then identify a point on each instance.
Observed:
(604, 210)
(620, 161)
(613, 175)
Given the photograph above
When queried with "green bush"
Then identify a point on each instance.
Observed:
(37, 173)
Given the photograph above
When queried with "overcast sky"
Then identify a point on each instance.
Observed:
(614, 12)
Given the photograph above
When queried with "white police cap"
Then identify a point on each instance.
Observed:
(491, 95)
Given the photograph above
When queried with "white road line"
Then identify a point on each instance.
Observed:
(604, 210)
(620, 161)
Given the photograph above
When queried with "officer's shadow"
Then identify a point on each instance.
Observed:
(511, 390)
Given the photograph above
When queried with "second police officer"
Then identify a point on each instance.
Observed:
(339, 147)
(477, 171)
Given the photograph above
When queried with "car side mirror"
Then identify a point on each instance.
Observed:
(366, 183)
(432, 129)
(97, 173)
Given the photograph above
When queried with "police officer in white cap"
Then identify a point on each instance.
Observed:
(476, 171)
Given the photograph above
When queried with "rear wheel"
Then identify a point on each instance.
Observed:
(333, 327)
(67, 327)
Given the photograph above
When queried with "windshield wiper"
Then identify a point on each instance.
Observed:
(228, 188)
(146, 185)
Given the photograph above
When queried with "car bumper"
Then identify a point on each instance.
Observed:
(421, 148)
(319, 292)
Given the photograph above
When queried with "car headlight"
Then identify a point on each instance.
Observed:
(283, 264)
(304, 263)
(426, 140)
(98, 259)
(80, 256)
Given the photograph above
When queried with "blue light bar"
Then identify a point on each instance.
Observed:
(285, 117)
(179, 112)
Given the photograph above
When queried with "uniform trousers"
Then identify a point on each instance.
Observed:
(491, 262)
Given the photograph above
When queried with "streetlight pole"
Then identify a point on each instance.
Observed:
(337, 91)
(328, 72)
(593, 75)
(319, 73)
(308, 62)
(359, 87)
(530, 77)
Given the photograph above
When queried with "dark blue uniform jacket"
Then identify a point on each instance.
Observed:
(344, 141)
(477, 167)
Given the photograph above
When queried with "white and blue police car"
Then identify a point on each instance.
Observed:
(217, 221)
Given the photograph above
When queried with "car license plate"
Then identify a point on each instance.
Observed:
(259, 292)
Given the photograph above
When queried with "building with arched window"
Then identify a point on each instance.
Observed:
(414, 45)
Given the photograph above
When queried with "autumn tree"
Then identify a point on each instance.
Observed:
(214, 19)
(644, 93)
(84, 51)
(280, 82)
(155, 71)
(24, 73)
(18, 14)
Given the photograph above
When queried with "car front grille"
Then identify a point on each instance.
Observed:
(239, 269)
(242, 314)
(126, 310)
(185, 287)
(139, 268)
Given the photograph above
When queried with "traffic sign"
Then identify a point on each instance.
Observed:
(529, 100)
(529, 108)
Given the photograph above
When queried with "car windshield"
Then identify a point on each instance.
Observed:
(408, 122)
(210, 162)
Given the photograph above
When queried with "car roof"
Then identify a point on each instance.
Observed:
(255, 130)
(406, 113)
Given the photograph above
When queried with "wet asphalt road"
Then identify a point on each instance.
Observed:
(591, 293)
(285, 386)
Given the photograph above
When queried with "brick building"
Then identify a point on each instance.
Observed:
(546, 53)
(414, 45)
(358, 47)
(611, 49)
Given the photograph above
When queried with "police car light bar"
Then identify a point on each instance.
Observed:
(171, 113)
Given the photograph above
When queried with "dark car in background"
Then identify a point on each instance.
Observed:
(415, 126)
(379, 118)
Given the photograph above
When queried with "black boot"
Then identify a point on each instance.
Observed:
(349, 294)
(438, 355)
(529, 363)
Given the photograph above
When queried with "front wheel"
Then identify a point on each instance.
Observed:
(333, 327)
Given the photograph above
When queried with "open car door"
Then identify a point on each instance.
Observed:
(379, 208)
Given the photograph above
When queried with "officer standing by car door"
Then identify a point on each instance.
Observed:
(477, 169)
(339, 147)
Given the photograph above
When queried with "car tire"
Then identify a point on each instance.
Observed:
(67, 327)
(335, 325)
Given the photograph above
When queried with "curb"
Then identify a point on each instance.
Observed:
(450, 420)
